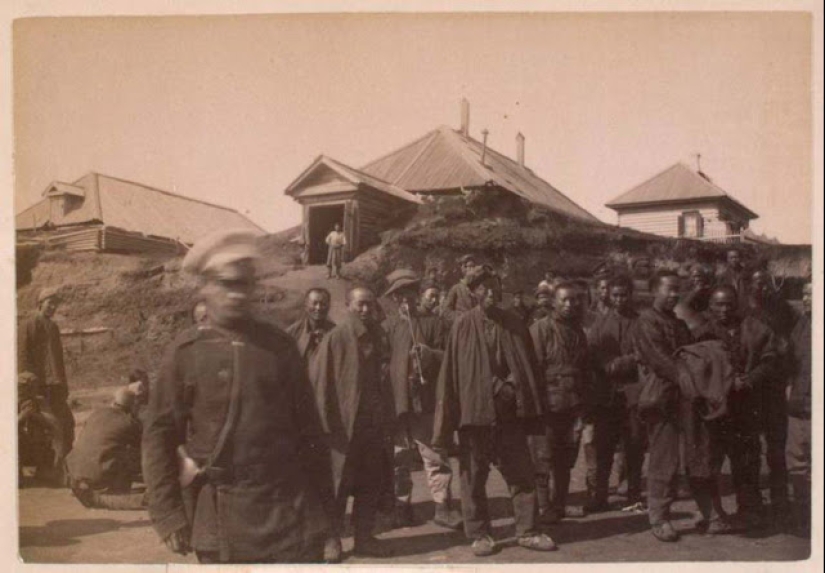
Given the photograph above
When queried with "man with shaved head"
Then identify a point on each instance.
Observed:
(357, 414)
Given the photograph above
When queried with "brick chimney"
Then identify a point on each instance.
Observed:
(465, 117)
(520, 148)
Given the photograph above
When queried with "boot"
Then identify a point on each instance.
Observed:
(332, 550)
(445, 517)
(403, 515)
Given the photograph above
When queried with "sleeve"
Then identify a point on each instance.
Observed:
(446, 410)
(448, 310)
(651, 345)
(25, 339)
(765, 365)
(537, 337)
(162, 435)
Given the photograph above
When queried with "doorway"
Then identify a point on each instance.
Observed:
(322, 219)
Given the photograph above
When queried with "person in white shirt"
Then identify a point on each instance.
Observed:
(336, 241)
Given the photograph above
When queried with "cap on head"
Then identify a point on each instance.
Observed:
(219, 249)
(125, 398)
(401, 278)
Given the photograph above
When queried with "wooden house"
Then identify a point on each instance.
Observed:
(103, 213)
(680, 202)
(443, 161)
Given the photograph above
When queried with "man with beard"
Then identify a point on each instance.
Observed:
(487, 391)
(460, 297)
(40, 351)
(616, 395)
(232, 432)
(310, 329)
(416, 337)
(357, 414)
(563, 360)
(799, 415)
(764, 303)
(693, 307)
(656, 336)
(753, 352)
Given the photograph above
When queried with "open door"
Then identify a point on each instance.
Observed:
(322, 219)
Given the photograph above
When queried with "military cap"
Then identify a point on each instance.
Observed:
(47, 293)
(124, 398)
(220, 248)
(401, 278)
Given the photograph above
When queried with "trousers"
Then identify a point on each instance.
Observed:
(556, 452)
(775, 433)
(799, 459)
(614, 426)
(504, 445)
(413, 442)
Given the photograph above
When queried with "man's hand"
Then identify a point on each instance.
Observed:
(178, 541)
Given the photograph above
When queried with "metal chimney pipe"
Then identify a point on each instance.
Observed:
(465, 117)
(484, 134)
(520, 148)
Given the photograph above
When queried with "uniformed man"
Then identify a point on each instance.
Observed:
(416, 337)
(106, 459)
(40, 351)
(564, 362)
(232, 437)
(310, 329)
(460, 297)
(616, 394)
(356, 410)
(799, 415)
(488, 392)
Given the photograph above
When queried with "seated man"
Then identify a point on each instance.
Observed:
(106, 458)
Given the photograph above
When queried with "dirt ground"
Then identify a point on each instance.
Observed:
(55, 528)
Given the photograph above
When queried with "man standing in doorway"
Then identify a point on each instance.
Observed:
(336, 241)
(40, 351)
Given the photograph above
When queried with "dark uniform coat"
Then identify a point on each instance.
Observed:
(309, 340)
(409, 394)
(260, 503)
(464, 395)
(107, 449)
(349, 362)
(564, 362)
(611, 347)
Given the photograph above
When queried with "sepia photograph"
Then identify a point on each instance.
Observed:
(415, 288)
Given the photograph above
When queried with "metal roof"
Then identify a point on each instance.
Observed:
(136, 207)
(445, 159)
(675, 184)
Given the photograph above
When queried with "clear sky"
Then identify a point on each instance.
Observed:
(232, 109)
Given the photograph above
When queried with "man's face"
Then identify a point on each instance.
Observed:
(723, 306)
(518, 300)
(603, 290)
(317, 306)
(487, 295)
(667, 293)
(337, 227)
(429, 299)
(48, 307)
(199, 312)
(807, 298)
(760, 283)
(620, 298)
(642, 268)
(228, 292)
(362, 304)
(734, 259)
(405, 297)
(468, 267)
(543, 299)
(567, 302)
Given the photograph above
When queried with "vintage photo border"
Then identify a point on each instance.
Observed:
(13, 9)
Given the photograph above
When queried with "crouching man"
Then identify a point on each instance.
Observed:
(106, 458)
(234, 410)
(487, 391)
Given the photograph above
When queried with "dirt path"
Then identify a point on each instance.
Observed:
(295, 283)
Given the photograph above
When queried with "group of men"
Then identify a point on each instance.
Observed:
(254, 438)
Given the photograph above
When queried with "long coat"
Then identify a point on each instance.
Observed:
(40, 351)
(107, 448)
(410, 396)
(464, 395)
(799, 403)
(459, 300)
(268, 506)
(351, 357)
(611, 348)
(564, 363)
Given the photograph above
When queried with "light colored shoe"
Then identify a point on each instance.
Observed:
(333, 552)
(537, 542)
(483, 546)
(664, 532)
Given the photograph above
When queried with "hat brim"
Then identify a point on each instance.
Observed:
(402, 284)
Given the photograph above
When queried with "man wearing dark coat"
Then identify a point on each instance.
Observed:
(616, 395)
(416, 336)
(799, 415)
(753, 352)
(460, 297)
(40, 351)
(488, 392)
(735, 274)
(310, 329)
(232, 435)
(106, 458)
(356, 408)
(564, 363)
(656, 336)
(693, 307)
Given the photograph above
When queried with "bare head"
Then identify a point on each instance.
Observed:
(621, 294)
(316, 304)
(665, 286)
(734, 258)
(603, 290)
(723, 304)
(567, 301)
(361, 302)
(700, 277)
(429, 299)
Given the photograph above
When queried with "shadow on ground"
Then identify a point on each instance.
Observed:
(62, 532)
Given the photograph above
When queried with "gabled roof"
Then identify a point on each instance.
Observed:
(675, 184)
(445, 159)
(349, 174)
(60, 188)
(136, 207)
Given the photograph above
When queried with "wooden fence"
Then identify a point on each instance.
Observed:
(110, 239)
